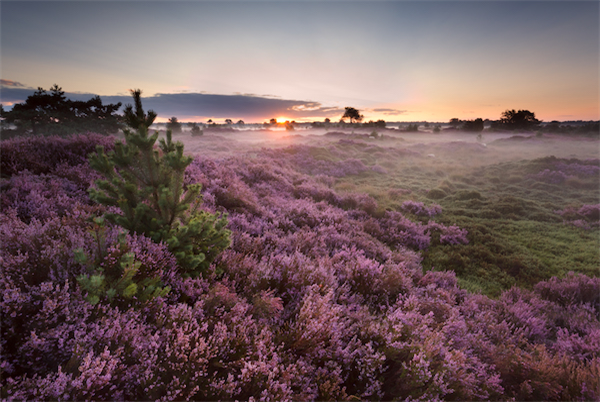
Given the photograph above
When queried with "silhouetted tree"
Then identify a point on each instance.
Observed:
(273, 121)
(209, 121)
(174, 125)
(51, 113)
(521, 120)
(454, 122)
(240, 123)
(473, 125)
(327, 121)
(228, 121)
(352, 114)
(412, 128)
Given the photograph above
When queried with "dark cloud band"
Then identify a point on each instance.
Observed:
(187, 105)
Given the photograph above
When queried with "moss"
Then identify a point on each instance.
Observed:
(467, 195)
(436, 194)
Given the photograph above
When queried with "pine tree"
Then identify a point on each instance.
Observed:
(147, 185)
(137, 118)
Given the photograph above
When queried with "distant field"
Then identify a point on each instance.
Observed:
(487, 186)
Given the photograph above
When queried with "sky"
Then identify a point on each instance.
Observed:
(307, 60)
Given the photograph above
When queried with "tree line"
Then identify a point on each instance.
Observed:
(51, 113)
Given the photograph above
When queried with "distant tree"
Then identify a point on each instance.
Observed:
(454, 122)
(412, 128)
(327, 120)
(289, 126)
(273, 121)
(51, 113)
(174, 125)
(521, 120)
(228, 121)
(209, 121)
(240, 123)
(353, 115)
(195, 130)
(473, 125)
(426, 125)
(437, 129)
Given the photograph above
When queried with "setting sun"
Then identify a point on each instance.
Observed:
(282, 119)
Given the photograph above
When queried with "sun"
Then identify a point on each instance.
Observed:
(282, 119)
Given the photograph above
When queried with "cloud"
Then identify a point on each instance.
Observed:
(389, 112)
(189, 105)
(9, 83)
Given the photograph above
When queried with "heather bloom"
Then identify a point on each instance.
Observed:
(320, 296)
(561, 171)
(585, 217)
(419, 209)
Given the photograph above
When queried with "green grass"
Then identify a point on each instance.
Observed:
(515, 235)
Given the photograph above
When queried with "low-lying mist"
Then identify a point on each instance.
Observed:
(456, 147)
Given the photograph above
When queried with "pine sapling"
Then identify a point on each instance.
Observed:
(147, 186)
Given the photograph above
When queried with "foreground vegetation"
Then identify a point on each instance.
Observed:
(358, 269)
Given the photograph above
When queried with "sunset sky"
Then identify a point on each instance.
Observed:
(307, 60)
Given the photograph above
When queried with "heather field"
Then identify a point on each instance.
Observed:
(360, 266)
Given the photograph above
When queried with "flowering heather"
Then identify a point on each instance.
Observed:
(304, 161)
(577, 169)
(43, 154)
(551, 176)
(585, 217)
(562, 171)
(419, 209)
(320, 297)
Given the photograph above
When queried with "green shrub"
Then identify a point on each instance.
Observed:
(436, 194)
(467, 195)
(147, 185)
(119, 279)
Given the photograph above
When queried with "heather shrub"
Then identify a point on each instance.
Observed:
(41, 251)
(41, 196)
(225, 188)
(419, 209)
(315, 161)
(320, 296)
(573, 289)
(43, 154)
(585, 217)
